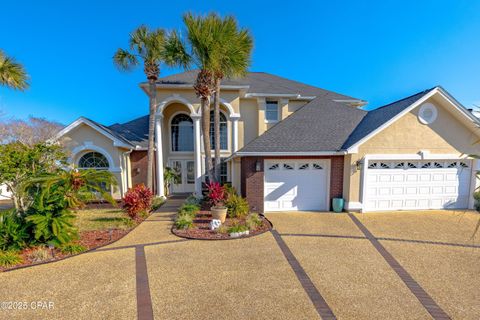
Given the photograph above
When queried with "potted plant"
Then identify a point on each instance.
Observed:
(216, 197)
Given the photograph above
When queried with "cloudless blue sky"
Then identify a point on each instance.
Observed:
(378, 51)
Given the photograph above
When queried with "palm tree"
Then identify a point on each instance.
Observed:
(235, 47)
(153, 48)
(12, 73)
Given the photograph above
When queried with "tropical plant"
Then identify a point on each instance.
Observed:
(9, 258)
(237, 228)
(253, 221)
(192, 199)
(20, 162)
(137, 200)
(78, 186)
(170, 176)
(13, 231)
(216, 194)
(12, 73)
(72, 248)
(157, 202)
(189, 210)
(237, 207)
(51, 219)
(233, 59)
(184, 222)
(153, 48)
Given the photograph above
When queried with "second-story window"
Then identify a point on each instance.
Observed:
(223, 131)
(271, 111)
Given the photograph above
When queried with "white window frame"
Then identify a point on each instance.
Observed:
(266, 111)
(170, 133)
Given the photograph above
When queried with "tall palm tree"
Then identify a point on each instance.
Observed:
(235, 47)
(201, 36)
(12, 73)
(153, 48)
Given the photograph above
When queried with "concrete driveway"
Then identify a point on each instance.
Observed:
(312, 266)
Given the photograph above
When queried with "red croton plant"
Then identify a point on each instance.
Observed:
(137, 200)
(216, 194)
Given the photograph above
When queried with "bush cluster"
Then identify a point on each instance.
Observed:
(137, 201)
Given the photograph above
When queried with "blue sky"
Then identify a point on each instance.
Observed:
(378, 51)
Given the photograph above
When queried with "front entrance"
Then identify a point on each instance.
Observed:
(186, 172)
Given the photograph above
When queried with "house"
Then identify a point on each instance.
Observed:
(290, 146)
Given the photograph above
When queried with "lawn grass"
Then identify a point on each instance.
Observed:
(102, 219)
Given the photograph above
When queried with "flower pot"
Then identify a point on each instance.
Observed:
(219, 213)
(337, 204)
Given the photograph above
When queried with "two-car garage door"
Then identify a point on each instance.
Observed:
(408, 184)
(292, 185)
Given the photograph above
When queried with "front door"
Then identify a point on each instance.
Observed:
(186, 172)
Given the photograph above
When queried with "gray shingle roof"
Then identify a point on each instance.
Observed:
(320, 125)
(110, 131)
(260, 82)
(375, 118)
(135, 131)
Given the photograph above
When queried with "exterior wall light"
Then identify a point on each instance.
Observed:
(258, 166)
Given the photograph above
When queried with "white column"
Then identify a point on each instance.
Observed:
(159, 155)
(198, 154)
(234, 132)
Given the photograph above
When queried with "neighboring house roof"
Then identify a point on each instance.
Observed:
(135, 131)
(260, 82)
(322, 125)
(377, 117)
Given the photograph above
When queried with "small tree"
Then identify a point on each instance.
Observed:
(31, 131)
(20, 162)
(12, 73)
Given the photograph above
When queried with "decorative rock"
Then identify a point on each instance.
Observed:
(215, 224)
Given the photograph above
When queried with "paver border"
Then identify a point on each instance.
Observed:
(425, 299)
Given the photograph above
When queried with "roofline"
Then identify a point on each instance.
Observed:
(279, 95)
(438, 89)
(190, 86)
(353, 102)
(286, 153)
(82, 120)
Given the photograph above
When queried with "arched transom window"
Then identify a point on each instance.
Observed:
(93, 160)
(182, 133)
(223, 131)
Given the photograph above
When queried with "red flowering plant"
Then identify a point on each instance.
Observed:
(216, 194)
(137, 200)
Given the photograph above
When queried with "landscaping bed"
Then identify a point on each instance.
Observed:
(201, 228)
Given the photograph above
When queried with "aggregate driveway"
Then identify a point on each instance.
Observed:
(313, 264)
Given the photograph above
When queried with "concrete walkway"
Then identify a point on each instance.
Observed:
(313, 265)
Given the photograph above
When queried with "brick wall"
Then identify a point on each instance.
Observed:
(252, 181)
(138, 161)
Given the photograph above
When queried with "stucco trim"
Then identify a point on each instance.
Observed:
(438, 90)
(116, 142)
(92, 147)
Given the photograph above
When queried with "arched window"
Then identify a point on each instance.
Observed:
(223, 131)
(182, 133)
(93, 160)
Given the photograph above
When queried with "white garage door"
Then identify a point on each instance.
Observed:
(406, 185)
(292, 185)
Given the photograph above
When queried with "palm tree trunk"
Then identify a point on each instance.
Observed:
(205, 105)
(216, 125)
(151, 133)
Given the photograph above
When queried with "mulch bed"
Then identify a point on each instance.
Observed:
(201, 229)
(89, 239)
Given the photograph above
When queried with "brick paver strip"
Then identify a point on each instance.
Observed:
(318, 301)
(428, 303)
(144, 300)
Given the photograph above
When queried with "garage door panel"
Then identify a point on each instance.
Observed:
(295, 185)
(432, 184)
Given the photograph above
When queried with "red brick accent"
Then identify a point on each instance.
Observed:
(252, 181)
(138, 161)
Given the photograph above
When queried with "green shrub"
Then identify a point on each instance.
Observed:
(222, 229)
(184, 222)
(237, 207)
(13, 231)
(40, 255)
(189, 210)
(237, 228)
(157, 202)
(193, 200)
(9, 258)
(230, 190)
(253, 221)
(72, 248)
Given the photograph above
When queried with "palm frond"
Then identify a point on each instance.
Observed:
(124, 60)
(175, 51)
(12, 73)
